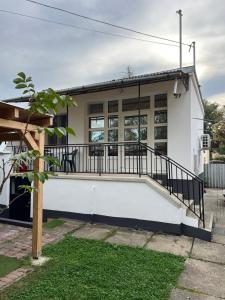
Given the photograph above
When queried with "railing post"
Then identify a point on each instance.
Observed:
(169, 176)
(203, 205)
(139, 159)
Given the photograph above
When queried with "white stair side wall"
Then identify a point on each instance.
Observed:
(130, 199)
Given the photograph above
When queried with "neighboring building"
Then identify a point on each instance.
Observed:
(148, 125)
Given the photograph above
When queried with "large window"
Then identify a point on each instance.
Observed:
(58, 121)
(133, 104)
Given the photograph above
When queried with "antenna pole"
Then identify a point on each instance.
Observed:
(194, 54)
(179, 12)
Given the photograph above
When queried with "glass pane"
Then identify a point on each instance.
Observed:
(96, 136)
(113, 150)
(133, 103)
(131, 134)
(113, 135)
(134, 120)
(96, 122)
(161, 100)
(160, 116)
(96, 150)
(161, 133)
(161, 147)
(133, 150)
(113, 121)
(143, 133)
(96, 108)
(113, 106)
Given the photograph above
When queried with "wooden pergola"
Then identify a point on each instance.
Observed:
(13, 127)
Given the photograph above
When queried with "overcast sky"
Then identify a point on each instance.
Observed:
(62, 57)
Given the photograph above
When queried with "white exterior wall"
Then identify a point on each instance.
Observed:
(114, 198)
(179, 127)
(4, 196)
(182, 128)
(197, 128)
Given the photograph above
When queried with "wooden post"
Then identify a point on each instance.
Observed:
(38, 202)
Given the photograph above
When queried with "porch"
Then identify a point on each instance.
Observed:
(124, 162)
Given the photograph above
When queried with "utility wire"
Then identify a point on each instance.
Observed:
(83, 28)
(104, 22)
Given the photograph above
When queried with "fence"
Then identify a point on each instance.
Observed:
(214, 175)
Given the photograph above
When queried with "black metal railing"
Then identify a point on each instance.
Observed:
(130, 158)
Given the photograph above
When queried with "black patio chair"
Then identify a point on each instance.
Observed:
(69, 158)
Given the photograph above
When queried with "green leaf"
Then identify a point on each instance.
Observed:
(26, 188)
(70, 131)
(30, 176)
(28, 79)
(60, 131)
(25, 91)
(22, 75)
(31, 85)
(41, 177)
(50, 131)
(41, 110)
(18, 80)
(21, 86)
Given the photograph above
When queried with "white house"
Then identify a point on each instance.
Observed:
(136, 159)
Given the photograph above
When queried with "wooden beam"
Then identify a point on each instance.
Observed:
(45, 122)
(7, 137)
(38, 203)
(10, 124)
(29, 140)
(11, 114)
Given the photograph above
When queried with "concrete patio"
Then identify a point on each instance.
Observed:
(204, 274)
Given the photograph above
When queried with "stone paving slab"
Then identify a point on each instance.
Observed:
(178, 245)
(217, 238)
(180, 294)
(129, 238)
(93, 232)
(208, 251)
(204, 277)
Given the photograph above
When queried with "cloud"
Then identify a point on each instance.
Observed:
(62, 57)
(218, 98)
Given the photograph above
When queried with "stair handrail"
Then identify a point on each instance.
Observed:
(193, 175)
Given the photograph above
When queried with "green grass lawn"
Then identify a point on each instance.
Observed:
(8, 264)
(83, 269)
(51, 224)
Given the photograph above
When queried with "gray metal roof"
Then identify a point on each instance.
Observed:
(122, 82)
